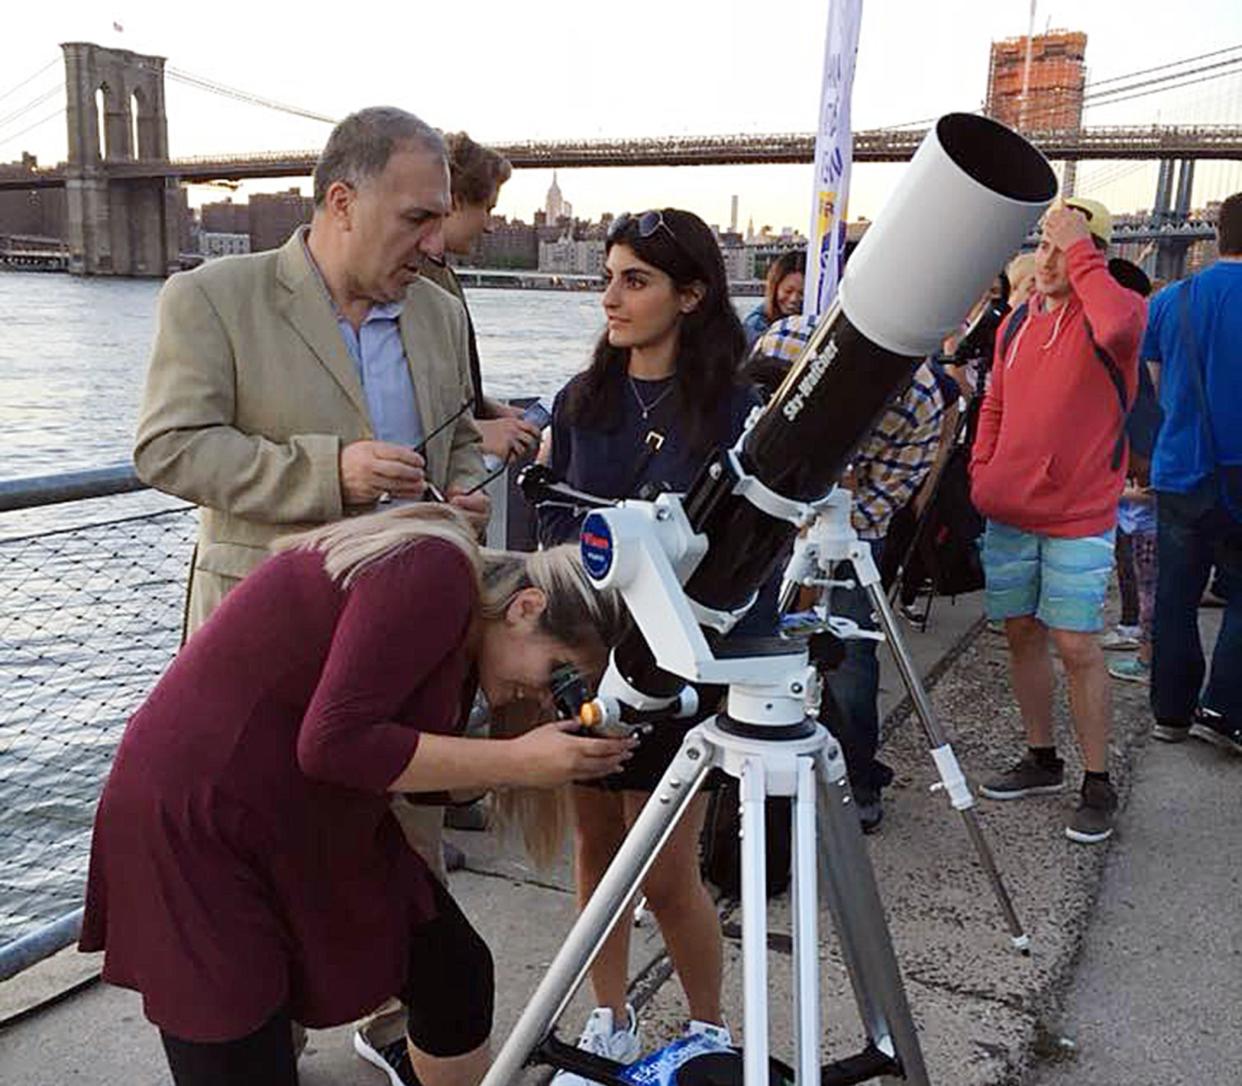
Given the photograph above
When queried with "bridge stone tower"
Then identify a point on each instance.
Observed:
(117, 225)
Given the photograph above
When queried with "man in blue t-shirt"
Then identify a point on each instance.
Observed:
(1194, 340)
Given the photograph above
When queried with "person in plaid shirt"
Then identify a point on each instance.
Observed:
(887, 471)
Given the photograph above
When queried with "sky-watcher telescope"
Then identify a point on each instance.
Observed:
(690, 565)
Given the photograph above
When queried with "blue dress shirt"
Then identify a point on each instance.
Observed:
(379, 355)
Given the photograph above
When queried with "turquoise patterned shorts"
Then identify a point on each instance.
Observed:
(1062, 582)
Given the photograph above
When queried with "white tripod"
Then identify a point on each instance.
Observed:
(773, 747)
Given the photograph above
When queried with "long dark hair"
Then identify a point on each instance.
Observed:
(711, 343)
(783, 265)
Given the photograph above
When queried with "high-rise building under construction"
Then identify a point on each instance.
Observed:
(1044, 93)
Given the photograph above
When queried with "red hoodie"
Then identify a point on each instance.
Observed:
(1043, 456)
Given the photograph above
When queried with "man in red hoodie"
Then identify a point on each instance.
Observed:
(1047, 469)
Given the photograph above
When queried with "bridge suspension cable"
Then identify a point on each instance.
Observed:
(1189, 83)
(31, 127)
(1162, 67)
(1093, 97)
(239, 95)
(33, 104)
(30, 78)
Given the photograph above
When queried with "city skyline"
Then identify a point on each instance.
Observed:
(700, 68)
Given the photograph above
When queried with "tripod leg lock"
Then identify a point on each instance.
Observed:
(952, 779)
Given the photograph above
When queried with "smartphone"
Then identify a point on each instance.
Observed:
(539, 414)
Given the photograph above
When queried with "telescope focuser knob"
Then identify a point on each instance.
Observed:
(591, 715)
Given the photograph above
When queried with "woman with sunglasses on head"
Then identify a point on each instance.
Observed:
(246, 868)
(661, 391)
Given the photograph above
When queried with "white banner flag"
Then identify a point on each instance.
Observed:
(834, 150)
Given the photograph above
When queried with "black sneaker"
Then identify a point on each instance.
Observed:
(392, 1058)
(1026, 778)
(1097, 810)
(1170, 731)
(1217, 729)
(870, 814)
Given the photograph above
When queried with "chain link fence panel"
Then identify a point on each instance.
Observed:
(89, 619)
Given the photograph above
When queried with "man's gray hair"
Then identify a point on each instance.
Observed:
(361, 145)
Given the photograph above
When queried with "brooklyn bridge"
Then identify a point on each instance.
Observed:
(121, 182)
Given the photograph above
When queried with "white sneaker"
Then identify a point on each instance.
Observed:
(601, 1038)
(719, 1034)
(1121, 639)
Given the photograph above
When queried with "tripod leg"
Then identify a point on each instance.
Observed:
(658, 819)
(854, 899)
(950, 771)
(754, 923)
(805, 908)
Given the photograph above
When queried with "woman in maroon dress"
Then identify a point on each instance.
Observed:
(246, 870)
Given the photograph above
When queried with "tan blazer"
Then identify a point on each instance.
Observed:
(251, 394)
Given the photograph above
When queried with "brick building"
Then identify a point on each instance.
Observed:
(1053, 90)
(225, 217)
(275, 216)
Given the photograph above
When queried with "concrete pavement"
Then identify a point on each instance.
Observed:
(1156, 998)
(985, 1014)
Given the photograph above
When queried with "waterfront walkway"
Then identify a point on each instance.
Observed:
(1161, 964)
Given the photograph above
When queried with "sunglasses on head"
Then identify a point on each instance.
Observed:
(647, 223)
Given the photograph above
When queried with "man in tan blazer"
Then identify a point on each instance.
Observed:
(261, 400)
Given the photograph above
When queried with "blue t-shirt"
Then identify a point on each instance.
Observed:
(754, 324)
(1182, 458)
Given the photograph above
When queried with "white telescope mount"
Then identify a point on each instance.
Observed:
(768, 738)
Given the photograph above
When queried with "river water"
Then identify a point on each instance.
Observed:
(91, 593)
(73, 353)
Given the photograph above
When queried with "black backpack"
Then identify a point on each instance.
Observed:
(940, 548)
(721, 841)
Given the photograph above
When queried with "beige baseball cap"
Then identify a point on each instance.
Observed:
(1099, 218)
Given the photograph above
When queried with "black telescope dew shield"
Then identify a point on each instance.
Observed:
(970, 195)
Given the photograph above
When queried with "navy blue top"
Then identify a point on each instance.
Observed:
(607, 463)
(614, 463)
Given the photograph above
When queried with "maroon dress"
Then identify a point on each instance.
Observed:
(244, 857)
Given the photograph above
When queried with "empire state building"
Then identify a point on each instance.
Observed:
(556, 206)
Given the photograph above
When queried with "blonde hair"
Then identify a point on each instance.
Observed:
(1020, 268)
(575, 613)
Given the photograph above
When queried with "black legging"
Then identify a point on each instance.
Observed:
(449, 998)
(1127, 583)
(264, 1058)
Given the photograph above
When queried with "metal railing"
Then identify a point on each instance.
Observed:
(89, 618)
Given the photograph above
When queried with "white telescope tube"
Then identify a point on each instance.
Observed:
(968, 199)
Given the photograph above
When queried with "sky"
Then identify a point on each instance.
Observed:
(541, 69)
